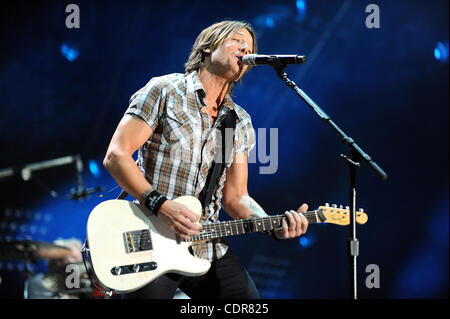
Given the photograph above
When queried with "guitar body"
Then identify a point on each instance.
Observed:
(128, 247)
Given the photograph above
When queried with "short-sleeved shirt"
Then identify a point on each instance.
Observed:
(177, 157)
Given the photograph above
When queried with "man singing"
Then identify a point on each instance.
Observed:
(174, 122)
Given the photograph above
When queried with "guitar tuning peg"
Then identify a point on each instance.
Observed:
(361, 210)
(334, 206)
(327, 205)
(347, 207)
(341, 207)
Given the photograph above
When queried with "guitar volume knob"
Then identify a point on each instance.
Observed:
(117, 270)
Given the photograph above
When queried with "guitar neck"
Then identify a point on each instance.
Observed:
(250, 225)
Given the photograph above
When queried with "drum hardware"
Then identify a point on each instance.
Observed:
(54, 279)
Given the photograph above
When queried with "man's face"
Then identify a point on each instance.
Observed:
(226, 59)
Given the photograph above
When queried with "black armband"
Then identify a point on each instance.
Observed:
(154, 201)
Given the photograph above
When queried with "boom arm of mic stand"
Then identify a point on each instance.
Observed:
(279, 69)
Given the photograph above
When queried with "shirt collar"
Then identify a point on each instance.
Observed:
(195, 85)
(228, 102)
(193, 82)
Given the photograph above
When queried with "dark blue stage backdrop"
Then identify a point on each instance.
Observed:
(383, 80)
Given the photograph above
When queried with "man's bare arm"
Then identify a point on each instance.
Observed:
(239, 205)
(132, 133)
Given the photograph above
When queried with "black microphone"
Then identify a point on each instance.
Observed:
(273, 59)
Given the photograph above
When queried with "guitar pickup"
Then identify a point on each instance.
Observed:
(137, 240)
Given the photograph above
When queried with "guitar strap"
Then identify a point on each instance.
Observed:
(224, 147)
(122, 195)
(220, 158)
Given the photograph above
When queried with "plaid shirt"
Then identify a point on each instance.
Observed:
(177, 157)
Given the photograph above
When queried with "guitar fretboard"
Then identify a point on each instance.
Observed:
(250, 225)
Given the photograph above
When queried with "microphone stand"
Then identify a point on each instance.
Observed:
(356, 155)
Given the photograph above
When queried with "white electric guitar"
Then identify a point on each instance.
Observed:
(127, 247)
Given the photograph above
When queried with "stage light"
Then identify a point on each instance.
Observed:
(265, 21)
(273, 17)
(301, 10)
(306, 241)
(69, 52)
(94, 168)
(12, 226)
(33, 229)
(441, 52)
(270, 23)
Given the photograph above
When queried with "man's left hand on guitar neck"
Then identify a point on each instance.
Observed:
(294, 225)
(239, 205)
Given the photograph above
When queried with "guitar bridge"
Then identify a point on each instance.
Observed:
(137, 240)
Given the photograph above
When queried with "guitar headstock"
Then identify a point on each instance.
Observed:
(339, 215)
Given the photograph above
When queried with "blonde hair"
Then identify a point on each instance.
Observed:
(213, 37)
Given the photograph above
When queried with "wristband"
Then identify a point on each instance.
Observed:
(154, 202)
(145, 195)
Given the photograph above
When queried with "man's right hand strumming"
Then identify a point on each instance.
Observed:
(180, 219)
(131, 134)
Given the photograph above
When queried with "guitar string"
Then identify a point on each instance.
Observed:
(265, 220)
(224, 228)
